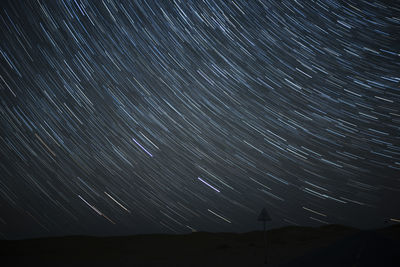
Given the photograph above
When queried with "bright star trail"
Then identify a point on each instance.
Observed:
(126, 117)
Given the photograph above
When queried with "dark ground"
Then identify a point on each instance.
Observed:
(331, 245)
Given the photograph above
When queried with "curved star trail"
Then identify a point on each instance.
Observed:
(122, 117)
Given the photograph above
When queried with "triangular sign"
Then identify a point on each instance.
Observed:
(264, 216)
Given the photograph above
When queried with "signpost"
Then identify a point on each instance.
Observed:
(264, 217)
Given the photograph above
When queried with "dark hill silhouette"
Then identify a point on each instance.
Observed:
(331, 245)
(364, 248)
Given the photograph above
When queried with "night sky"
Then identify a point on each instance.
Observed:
(130, 117)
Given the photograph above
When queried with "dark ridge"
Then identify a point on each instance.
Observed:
(330, 245)
(364, 248)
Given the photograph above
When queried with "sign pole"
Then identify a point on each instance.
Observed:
(264, 217)
(265, 247)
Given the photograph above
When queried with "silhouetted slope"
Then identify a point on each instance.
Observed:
(366, 248)
(285, 245)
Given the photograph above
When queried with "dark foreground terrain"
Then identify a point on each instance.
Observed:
(331, 245)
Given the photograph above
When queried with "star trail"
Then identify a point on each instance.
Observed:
(127, 117)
